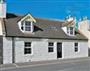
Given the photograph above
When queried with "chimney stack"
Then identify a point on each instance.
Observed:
(2, 9)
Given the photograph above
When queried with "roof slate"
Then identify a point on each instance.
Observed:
(44, 28)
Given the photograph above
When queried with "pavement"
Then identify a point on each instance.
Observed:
(40, 63)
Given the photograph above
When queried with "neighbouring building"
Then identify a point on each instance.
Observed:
(27, 39)
(84, 28)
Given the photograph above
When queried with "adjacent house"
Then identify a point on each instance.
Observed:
(27, 38)
(84, 28)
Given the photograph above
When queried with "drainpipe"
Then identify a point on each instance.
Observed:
(13, 50)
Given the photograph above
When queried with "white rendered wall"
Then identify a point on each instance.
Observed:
(68, 50)
(40, 49)
(7, 50)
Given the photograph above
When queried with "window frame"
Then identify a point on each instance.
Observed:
(50, 47)
(26, 28)
(76, 47)
(69, 31)
(28, 46)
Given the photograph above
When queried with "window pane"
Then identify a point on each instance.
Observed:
(50, 49)
(27, 28)
(27, 23)
(76, 44)
(27, 50)
(50, 44)
(76, 49)
(71, 30)
(27, 44)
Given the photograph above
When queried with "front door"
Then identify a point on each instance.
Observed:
(59, 50)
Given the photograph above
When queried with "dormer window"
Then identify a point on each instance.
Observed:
(26, 26)
(70, 31)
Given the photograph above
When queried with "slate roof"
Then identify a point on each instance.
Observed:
(44, 28)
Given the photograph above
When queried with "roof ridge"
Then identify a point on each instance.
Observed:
(50, 19)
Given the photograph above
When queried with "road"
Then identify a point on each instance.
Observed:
(68, 66)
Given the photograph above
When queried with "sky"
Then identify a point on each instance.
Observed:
(54, 9)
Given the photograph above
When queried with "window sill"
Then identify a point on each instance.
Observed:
(28, 32)
(28, 55)
(70, 35)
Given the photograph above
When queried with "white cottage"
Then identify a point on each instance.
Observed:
(27, 39)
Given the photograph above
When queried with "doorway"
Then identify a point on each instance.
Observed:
(59, 50)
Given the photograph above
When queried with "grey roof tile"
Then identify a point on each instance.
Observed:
(44, 28)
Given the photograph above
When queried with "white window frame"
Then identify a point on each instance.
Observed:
(24, 26)
(76, 47)
(50, 47)
(28, 26)
(69, 31)
(26, 47)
